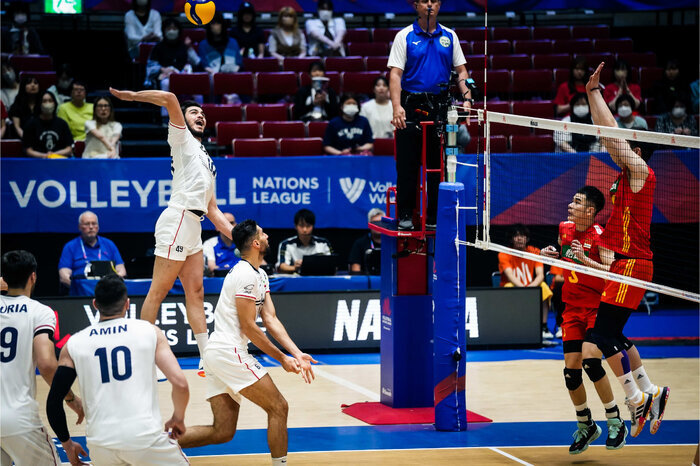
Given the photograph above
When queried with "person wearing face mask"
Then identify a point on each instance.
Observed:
(218, 52)
(625, 115)
(348, 133)
(10, 84)
(20, 38)
(169, 56)
(668, 87)
(250, 38)
(379, 111)
(677, 121)
(76, 111)
(141, 24)
(45, 134)
(64, 79)
(621, 87)
(574, 142)
(26, 104)
(578, 75)
(286, 40)
(102, 133)
(326, 33)
(316, 101)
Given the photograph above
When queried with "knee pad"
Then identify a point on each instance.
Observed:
(573, 378)
(626, 344)
(608, 345)
(594, 369)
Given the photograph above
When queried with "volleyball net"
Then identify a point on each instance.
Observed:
(529, 170)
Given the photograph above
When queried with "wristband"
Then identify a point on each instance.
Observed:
(594, 89)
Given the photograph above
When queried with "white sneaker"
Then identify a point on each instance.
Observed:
(639, 413)
(558, 334)
(658, 406)
(547, 335)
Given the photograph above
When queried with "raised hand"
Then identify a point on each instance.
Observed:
(594, 80)
(123, 95)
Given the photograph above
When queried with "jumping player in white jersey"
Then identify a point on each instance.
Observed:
(26, 332)
(115, 362)
(178, 230)
(231, 371)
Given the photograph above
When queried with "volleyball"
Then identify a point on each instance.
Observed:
(199, 12)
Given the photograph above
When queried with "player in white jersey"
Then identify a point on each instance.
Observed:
(115, 362)
(26, 333)
(231, 371)
(178, 230)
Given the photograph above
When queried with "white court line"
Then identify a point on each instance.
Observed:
(514, 458)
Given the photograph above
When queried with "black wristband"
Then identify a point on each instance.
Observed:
(60, 386)
(594, 89)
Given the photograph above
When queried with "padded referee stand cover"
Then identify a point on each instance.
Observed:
(449, 291)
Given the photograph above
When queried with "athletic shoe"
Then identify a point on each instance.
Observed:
(639, 413)
(558, 334)
(658, 406)
(546, 334)
(160, 377)
(617, 431)
(406, 223)
(200, 370)
(584, 436)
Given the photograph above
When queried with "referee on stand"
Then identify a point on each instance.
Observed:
(422, 57)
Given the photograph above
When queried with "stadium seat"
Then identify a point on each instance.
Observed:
(301, 146)
(595, 58)
(31, 62)
(283, 129)
(46, 79)
(226, 131)
(536, 143)
(189, 83)
(560, 75)
(532, 46)
(216, 113)
(377, 63)
(495, 47)
(384, 146)
(333, 76)
(648, 105)
(78, 149)
(279, 83)
(367, 49)
(346, 63)
(507, 130)
(594, 31)
(552, 60)
(476, 61)
(357, 35)
(511, 33)
(316, 129)
(261, 64)
(360, 82)
(646, 59)
(144, 52)
(572, 46)
(239, 83)
(385, 35)
(613, 45)
(534, 108)
(266, 112)
(533, 81)
(255, 147)
(498, 82)
(499, 144)
(299, 64)
(470, 34)
(648, 76)
(11, 148)
(551, 32)
(651, 121)
(196, 34)
(500, 106)
(466, 47)
(511, 62)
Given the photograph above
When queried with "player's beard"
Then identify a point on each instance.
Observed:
(195, 133)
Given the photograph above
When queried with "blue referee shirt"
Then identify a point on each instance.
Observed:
(77, 253)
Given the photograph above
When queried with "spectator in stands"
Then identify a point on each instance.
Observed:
(79, 252)
(317, 101)
(141, 24)
(77, 111)
(326, 33)
(26, 104)
(61, 90)
(10, 83)
(368, 242)
(379, 111)
(250, 38)
(348, 133)
(102, 133)
(576, 142)
(46, 135)
(621, 87)
(667, 88)
(219, 53)
(173, 55)
(625, 115)
(695, 95)
(286, 39)
(292, 250)
(518, 272)
(20, 38)
(677, 121)
(219, 251)
(578, 75)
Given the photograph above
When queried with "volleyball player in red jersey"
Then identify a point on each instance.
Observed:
(627, 235)
(578, 237)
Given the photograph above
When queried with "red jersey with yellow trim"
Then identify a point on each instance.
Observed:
(580, 289)
(628, 230)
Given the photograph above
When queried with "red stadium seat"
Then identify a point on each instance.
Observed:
(189, 83)
(261, 64)
(377, 63)
(466, 47)
(266, 112)
(239, 83)
(613, 45)
(533, 81)
(78, 149)
(144, 52)
(551, 32)
(215, 113)
(255, 147)
(511, 33)
(651, 121)
(646, 59)
(470, 34)
(572, 46)
(534, 143)
(476, 61)
(648, 76)
(561, 75)
(196, 34)
(595, 31)
(384, 146)
(507, 130)
(31, 62)
(500, 106)
(534, 108)
(283, 129)
(367, 49)
(495, 47)
(532, 46)
(316, 129)
(552, 60)
(341, 64)
(301, 146)
(499, 144)
(226, 131)
(357, 35)
(361, 82)
(299, 64)
(498, 82)
(46, 79)
(594, 59)
(385, 35)
(333, 76)
(511, 62)
(277, 83)
(11, 148)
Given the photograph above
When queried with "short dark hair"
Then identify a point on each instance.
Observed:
(594, 196)
(622, 65)
(17, 267)
(578, 96)
(110, 295)
(306, 215)
(325, 3)
(77, 82)
(347, 96)
(317, 64)
(518, 229)
(187, 104)
(624, 98)
(244, 233)
(647, 148)
(380, 78)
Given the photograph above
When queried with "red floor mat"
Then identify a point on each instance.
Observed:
(379, 414)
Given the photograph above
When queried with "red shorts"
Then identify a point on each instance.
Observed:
(576, 320)
(622, 294)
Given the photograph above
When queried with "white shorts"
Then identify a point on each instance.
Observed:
(32, 448)
(230, 371)
(178, 234)
(164, 452)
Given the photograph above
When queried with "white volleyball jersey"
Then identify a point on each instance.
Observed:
(243, 281)
(21, 318)
(193, 171)
(115, 362)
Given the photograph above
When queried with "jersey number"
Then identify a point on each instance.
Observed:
(573, 278)
(101, 353)
(8, 341)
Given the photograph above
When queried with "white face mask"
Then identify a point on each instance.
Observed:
(142, 2)
(678, 112)
(47, 108)
(20, 18)
(580, 110)
(351, 110)
(325, 15)
(624, 111)
(171, 34)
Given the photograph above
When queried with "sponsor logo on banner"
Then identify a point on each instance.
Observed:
(347, 319)
(352, 188)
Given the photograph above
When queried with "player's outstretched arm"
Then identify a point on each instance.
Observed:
(166, 362)
(160, 98)
(217, 218)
